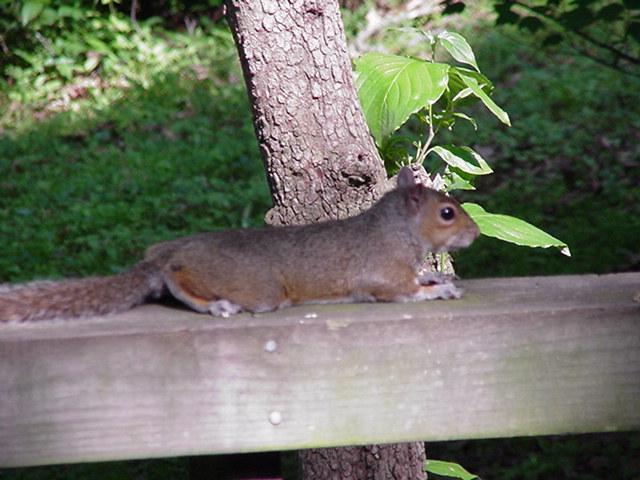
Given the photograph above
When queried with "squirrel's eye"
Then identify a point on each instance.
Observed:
(447, 214)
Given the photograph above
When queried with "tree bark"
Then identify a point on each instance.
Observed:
(372, 462)
(320, 160)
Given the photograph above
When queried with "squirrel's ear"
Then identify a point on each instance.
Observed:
(405, 177)
(413, 198)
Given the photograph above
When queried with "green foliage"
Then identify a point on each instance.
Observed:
(576, 457)
(392, 88)
(68, 53)
(569, 164)
(603, 30)
(90, 191)
(448, 470)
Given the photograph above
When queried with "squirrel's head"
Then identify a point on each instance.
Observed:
(439, 220)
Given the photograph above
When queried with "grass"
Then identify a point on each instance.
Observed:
(85, 192)
(85, 189)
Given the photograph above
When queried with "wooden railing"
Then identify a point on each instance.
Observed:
(518, 356)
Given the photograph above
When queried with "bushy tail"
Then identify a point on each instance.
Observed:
(82, 297)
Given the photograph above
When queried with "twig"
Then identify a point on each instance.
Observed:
(134, 12)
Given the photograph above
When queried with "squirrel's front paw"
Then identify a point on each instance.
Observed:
(439, 290)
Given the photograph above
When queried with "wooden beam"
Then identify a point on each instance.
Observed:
(518, 356)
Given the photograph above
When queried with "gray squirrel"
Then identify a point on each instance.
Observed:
(373, 256)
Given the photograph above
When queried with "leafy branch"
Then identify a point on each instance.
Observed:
(394, 88)
(605, 32)
(547, 15)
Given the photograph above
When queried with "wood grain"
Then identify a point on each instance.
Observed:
(523, 356)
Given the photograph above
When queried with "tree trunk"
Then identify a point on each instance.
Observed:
(320, 159)
(372, 462)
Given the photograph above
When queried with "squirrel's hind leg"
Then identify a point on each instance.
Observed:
(224, 308)
(190, 289)
(210, 294)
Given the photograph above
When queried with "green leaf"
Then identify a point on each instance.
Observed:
(454, 181)
(29, 11)
(27, 56)
(463, 158)
(448, 469)
(458, 48)
(48, 16)
(473, 84)
(514, 230)
(73, 12)
(119, 24)
(98, 45)
(65, 67)
(91, 63)
(461, 94)
(391, 88)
